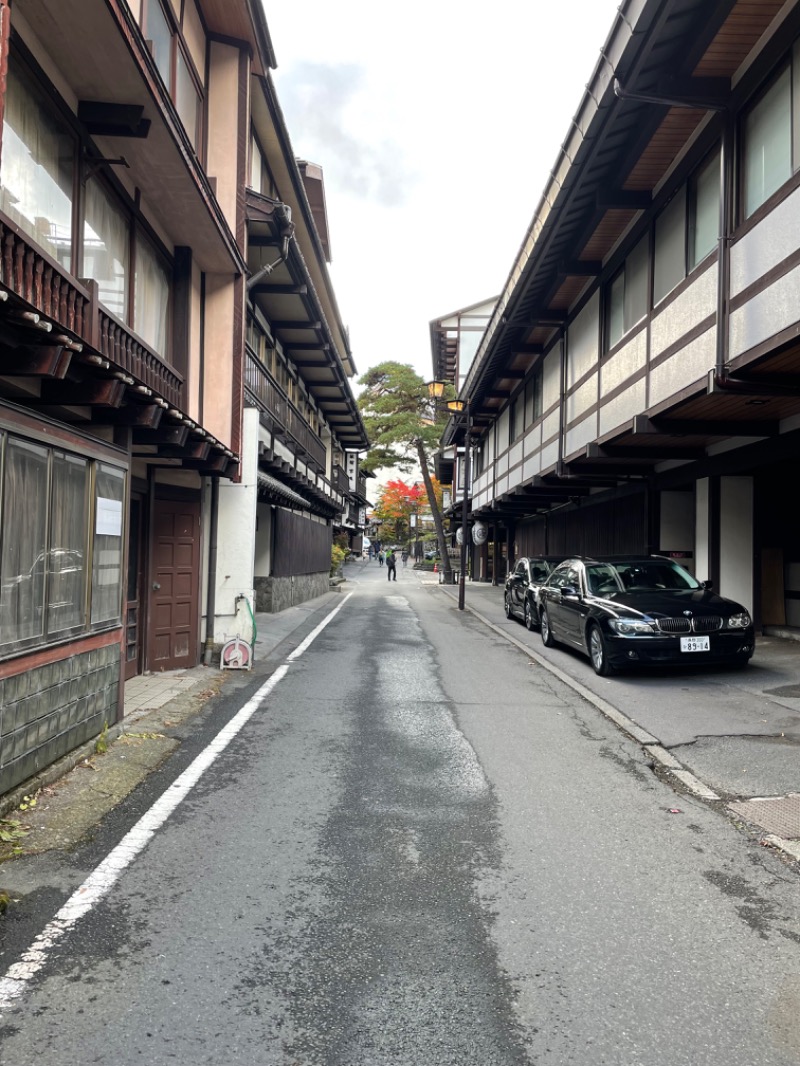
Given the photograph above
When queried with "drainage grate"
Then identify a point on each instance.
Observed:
(780, 816)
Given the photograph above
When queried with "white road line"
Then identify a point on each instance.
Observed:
(298, 651)
(104, 877)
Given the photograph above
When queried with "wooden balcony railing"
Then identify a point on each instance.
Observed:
(270, 398)
(50, 291)
(341, 482)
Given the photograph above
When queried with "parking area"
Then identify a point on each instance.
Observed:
(738, 730)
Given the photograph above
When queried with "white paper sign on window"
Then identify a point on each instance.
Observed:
(109, 517)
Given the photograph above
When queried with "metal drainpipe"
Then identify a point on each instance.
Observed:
(726, 155)
(562, 415)
(211, 599)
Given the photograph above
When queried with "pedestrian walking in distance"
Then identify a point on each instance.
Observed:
(404, 557)
(380, 558)
(391, 566)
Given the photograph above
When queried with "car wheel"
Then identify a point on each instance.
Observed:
(530, 616)
(598, 653)
(507, 605)
(547, 633)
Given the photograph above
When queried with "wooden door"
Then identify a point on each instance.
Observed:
(173, 640)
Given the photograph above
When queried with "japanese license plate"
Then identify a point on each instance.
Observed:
(695, 644)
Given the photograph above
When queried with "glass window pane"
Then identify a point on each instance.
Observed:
(22, 561)
(768, 144)
(38, 165)
(704, 212)
(157, 31)
(255, 165)
(106, 249)
(151, 296)
(66, 585)
(616, 323)
(107, 553)
(187, 98)
(670, 251)
(636, 267)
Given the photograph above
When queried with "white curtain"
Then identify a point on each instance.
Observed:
(106, 249)
(151, 296)
(37, 169)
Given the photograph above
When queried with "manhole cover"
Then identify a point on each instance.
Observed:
(792, 691)
(780, 816)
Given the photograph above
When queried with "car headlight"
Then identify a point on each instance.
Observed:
(739, 621)
(631, 627)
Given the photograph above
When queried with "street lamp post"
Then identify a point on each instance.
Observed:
(458, 407)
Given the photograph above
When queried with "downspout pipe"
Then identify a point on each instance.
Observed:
(726, 156)
(211, 599)
(562, 413)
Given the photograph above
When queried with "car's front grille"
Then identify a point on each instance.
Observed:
(703, 624)
(709, 623)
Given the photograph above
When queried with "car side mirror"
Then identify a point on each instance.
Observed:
(707, 584)
(569, 592)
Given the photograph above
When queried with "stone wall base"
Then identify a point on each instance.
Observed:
(275, 594)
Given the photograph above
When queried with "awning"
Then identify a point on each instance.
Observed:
(272, 489)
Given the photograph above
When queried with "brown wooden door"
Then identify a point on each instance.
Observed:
(173, 640)
(133, 605)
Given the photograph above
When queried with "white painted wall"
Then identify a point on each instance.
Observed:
(236, 539)
(702, 545)
(736, 539)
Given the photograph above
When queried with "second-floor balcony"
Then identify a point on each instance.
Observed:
(280, 413)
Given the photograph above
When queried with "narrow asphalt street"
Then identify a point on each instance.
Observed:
(411, 846)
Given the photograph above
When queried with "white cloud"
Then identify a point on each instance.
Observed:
(436, 125)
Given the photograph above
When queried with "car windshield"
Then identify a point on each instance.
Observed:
(638, 575)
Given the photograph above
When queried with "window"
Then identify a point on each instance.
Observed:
(151, 295)
(533, 398)
(174, 66)
(25, 478)
(66, 593)
(107, 248)
(38, 167)
(45, 587)
(260, 177)
(703, 211)
(626, 296)
(516, 419)
(112, 243)
(669, 261)
(767, 160)
(107, 550)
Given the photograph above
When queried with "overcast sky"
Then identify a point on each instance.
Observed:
(436, 124)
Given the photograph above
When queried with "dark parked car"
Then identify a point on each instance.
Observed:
(522, 587)
(641, 609)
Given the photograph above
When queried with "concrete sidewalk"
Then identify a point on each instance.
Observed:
(728, 735)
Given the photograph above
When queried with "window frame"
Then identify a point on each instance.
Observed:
(178, 45)
(54, 440)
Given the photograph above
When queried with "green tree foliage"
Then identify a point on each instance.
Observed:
(405, 428)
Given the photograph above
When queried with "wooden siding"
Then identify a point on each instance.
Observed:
(737, 37)
(301, 546)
